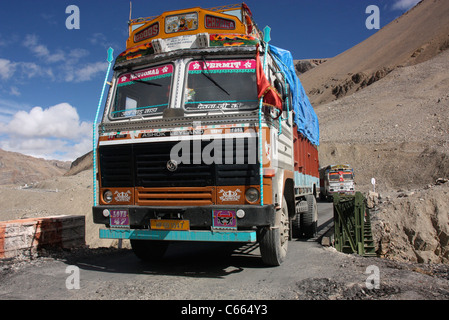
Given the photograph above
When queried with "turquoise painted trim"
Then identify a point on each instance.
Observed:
(304, 180)
(145, 79)
(193, 235)
(94, 126)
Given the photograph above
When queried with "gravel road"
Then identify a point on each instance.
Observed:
(215, 272)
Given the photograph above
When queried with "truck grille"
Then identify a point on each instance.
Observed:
(145, 165)
(175, 197)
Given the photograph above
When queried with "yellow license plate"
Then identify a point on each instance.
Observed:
(177, 225)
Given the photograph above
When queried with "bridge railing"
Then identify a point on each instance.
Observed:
(352, 225)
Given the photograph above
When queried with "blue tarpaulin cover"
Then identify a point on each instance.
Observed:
(305, 117)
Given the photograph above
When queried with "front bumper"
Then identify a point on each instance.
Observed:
(200, 220)
(192, 235)
(199, 217)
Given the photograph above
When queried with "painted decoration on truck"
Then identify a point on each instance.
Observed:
(147, 33)
(224, 219)
(181, 22)
(221, 85)
(229, 40)
(213, 22)
(136, 52)
(223, 66)
(230, 195)
(144, 75)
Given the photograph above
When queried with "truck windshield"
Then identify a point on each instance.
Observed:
(221, 85)
(341, 176)
(142, 93)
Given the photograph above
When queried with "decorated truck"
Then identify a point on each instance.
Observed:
(207, 135)
(338, 178)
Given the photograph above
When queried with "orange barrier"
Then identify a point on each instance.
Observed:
(27, 236)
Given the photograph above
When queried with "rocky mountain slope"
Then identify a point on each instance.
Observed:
(413, 38)
(397, 131)
(16, 168)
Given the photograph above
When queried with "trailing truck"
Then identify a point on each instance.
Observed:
(207, 135)
(338, 178)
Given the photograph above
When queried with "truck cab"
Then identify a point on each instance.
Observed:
(337, 179)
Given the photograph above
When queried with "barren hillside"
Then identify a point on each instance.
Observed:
(16, 168)
(396, 130)
(415, 37)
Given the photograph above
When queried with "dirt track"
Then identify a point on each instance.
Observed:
(223, 272)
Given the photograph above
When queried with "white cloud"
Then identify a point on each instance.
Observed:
(14, 91)
(405, 4)
(89, 71)
(41, 51)
(59, 66)
(52, 133)
(7, 69)
(73, 73)
(75, 54)
(21, 70)
(60, 121)
(99, 38)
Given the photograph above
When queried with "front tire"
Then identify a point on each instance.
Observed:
(273, 242)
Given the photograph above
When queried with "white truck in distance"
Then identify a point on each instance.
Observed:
(337, 178)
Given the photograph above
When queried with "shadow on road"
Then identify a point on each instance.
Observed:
(189, 259)
(205, 260)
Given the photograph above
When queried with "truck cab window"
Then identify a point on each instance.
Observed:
(142, 93)
(221, 85)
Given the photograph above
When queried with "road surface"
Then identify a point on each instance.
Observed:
(208, 271)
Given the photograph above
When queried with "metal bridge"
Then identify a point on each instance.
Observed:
(353, 225)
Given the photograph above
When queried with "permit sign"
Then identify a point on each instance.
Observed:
(119, 218)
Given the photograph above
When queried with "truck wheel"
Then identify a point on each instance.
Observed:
(149, 250)
(296, 226)
(309, 220)
(273, 242)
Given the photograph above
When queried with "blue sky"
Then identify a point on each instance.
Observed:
(51, 77)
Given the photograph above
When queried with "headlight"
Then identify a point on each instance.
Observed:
(107, 196)
(252, 195)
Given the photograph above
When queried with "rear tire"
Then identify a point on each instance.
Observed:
(309, 220)
(149, 250)
(273, 242)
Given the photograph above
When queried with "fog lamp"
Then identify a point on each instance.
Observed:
(107, 196)
(252, 195)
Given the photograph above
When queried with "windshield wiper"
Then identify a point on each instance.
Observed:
(208, 76)
(145, 82)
